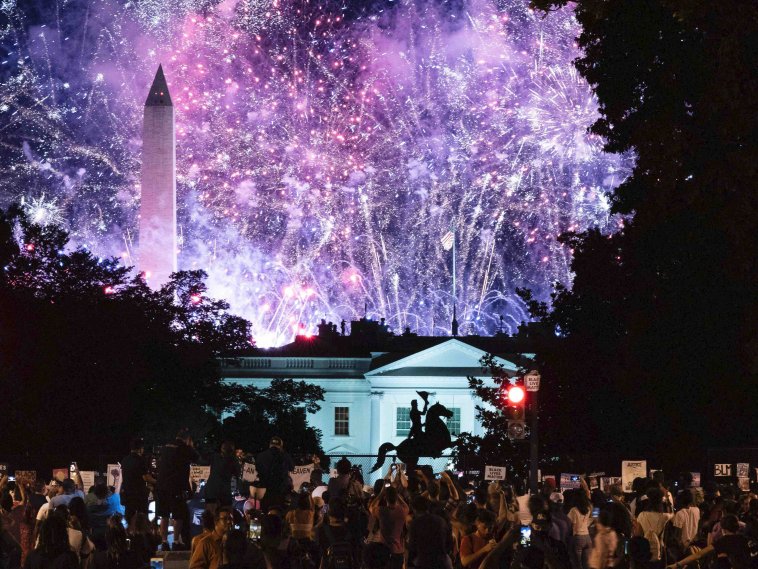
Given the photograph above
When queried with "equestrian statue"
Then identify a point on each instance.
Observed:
(429, 439)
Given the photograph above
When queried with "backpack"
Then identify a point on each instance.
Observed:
(655, 543)
(339, 554)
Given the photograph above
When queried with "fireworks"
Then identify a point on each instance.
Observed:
(322, 151)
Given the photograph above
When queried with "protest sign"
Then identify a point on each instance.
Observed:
(494, 473)
(631, 469)
(113, 475)
(198, 473)
(743, 470)
(570, 481)
(60, 474)
(301, 475)
(722, 469)
(88, 479)
(695, 480)
(28, 476)
(248, 472)
(608, 481)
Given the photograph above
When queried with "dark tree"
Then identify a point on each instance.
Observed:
(657, 340)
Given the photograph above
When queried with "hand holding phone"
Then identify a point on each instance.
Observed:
(526, 536)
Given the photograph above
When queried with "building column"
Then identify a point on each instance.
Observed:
(376, 421)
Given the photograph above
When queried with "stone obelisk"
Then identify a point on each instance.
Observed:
(157, 227)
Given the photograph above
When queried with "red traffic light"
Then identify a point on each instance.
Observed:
(516, 394)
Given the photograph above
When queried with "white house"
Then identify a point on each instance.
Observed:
(370, 377)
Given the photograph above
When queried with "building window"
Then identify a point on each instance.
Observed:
(454, 422)
(403, 421)
(342, 421)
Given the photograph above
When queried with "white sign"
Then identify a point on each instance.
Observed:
(722, 469)
(743, 470)
(301, 475)
(113, 475)
(631, 469)
(88, 479)
(248, 472)
(494, 472)
(695, 479)
(532, 381)
(570, 481)
(198, 473)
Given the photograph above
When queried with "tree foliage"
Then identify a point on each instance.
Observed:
(655, 346)
(91, 356)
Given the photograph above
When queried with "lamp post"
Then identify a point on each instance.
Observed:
(532, 384)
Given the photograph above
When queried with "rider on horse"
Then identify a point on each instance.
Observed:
(416, 415)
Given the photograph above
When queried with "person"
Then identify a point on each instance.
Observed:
(172, 487)
(561, 527)
(273, 466)
(391, 511)
(476, 545)
(218, 488)
(10, 550)
(144, 543)
(53, 550)
(732, 550)
(301, 519)
(429, 537)
(117, 554)
(686, 518)
(240, 554)
(541, 550)
(78, 540)
(605, 544)
(344, 486)
(70, 490)
(208, 552)
(208, 523)
(334, 538)
(580, 528)
(652, 521)
(415, 416)
(51, 490)
(135, 475)
(102, 506)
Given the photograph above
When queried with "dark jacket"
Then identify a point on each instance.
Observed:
(218, 488)
(273, 467)
(428, 540)
(174, 468)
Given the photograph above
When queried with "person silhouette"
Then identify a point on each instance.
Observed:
(415, 416)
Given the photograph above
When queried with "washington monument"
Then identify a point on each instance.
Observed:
(157, 227)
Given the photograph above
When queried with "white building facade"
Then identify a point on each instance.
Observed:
(367, 397)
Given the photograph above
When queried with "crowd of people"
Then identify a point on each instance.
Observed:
(409, 518)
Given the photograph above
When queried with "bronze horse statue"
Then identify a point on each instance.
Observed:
(431, 442)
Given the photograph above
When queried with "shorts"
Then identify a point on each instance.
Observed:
(171, 506)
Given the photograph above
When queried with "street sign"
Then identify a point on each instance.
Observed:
(532, 381)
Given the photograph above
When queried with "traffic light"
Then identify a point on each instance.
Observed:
(514, 398)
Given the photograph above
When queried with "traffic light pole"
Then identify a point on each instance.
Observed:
(533, 442)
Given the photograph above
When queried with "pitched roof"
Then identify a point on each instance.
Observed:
(159, 95)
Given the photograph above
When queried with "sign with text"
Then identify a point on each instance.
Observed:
(631, 469)
(88, 479)
(248, 472)
(28, 476)
(198, 473)
(570, 481)
(743, 470)
(301, 475)
(722, 469)
(695, 479)
(532, 381)
(494, 472)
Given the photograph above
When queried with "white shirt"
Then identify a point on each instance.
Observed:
(580, 522)
(687, 519)
(42, 512)
(524, 515)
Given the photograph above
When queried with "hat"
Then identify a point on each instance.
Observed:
(276, 442)
(556, 497)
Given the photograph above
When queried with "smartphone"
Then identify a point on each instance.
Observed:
(72, 468)
(437, 476)
(575, 479)
(526, 536)
(470, 499)
(254, 532)
(387, 484)
(11, 479)
(156, 563)
(595, 512)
